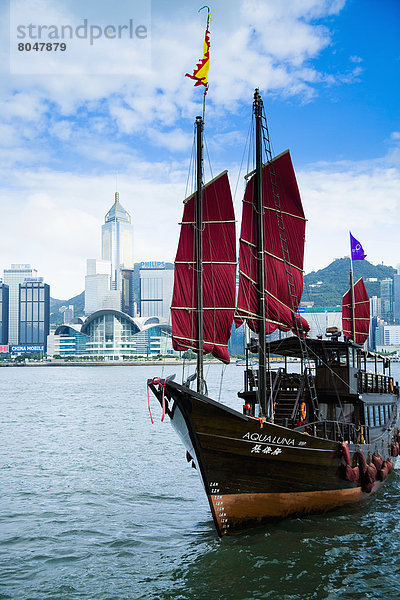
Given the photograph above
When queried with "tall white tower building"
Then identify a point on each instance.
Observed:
(106, 278)
(117, 242)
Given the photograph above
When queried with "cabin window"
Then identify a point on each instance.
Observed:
(331, 358)
(366, 418)
(345, 413)
(382, 414)
(343, 357)
(323, 410)
(371, 415)
(376, 415)
(387, 411)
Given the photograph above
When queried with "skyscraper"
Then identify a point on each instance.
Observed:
(13, 277)
(3, 313)
(34, 312)
(153, 291)
(387, 300)
(117, 242)
(396, 291)
(108, 281)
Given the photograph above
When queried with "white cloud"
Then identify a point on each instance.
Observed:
(62, 130)
(81, 129)
(53, 220)
(268, 44)
(361, 197)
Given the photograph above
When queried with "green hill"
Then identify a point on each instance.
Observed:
(327, 286)
(78, 302)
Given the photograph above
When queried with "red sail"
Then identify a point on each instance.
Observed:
(219, 273)
(361, 313)
(280, 302)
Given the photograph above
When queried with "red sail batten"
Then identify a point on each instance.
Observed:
(279, 304)
(219, 273)
(361, 313)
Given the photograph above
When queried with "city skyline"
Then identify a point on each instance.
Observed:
(327, 69)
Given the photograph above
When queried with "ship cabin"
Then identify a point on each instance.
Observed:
(340, 391)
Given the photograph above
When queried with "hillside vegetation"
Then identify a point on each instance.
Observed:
(335, 281)
(78, 302)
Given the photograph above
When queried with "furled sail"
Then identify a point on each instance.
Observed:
(219, 272)
(361, 313)
(281, 298)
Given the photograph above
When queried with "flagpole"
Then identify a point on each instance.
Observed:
(200, 75)
(353, 318)
(206, 85)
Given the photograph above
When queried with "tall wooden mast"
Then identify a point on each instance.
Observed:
(258, 188)
(199, 252)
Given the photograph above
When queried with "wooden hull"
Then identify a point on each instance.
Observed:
(254, 472)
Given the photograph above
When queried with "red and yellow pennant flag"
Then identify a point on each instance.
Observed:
(200, 74)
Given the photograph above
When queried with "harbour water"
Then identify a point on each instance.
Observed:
(98, 503)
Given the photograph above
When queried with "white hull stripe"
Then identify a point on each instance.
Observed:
(225, 437)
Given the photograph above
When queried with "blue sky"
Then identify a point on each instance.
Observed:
(328, 71)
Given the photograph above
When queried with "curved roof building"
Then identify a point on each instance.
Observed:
(114, 333)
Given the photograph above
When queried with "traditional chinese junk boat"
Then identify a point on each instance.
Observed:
(305, 442)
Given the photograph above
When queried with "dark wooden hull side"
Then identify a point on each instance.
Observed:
(254, 472)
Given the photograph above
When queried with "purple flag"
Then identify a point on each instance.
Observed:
(357, 252)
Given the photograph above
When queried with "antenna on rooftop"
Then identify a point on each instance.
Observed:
(116, 187)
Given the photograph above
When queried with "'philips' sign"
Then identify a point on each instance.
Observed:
(152, 264)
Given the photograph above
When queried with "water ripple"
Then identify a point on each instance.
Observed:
(97, 503)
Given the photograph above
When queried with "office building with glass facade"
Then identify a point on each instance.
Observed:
(13, 277)
(127, 297)
(34, 312)
(387, 313)
(396, 294)
(117, 242)
(108, 282)
(153, 284)
(4, 294)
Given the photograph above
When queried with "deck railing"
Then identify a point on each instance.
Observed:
(337, 431)
(374, 383)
